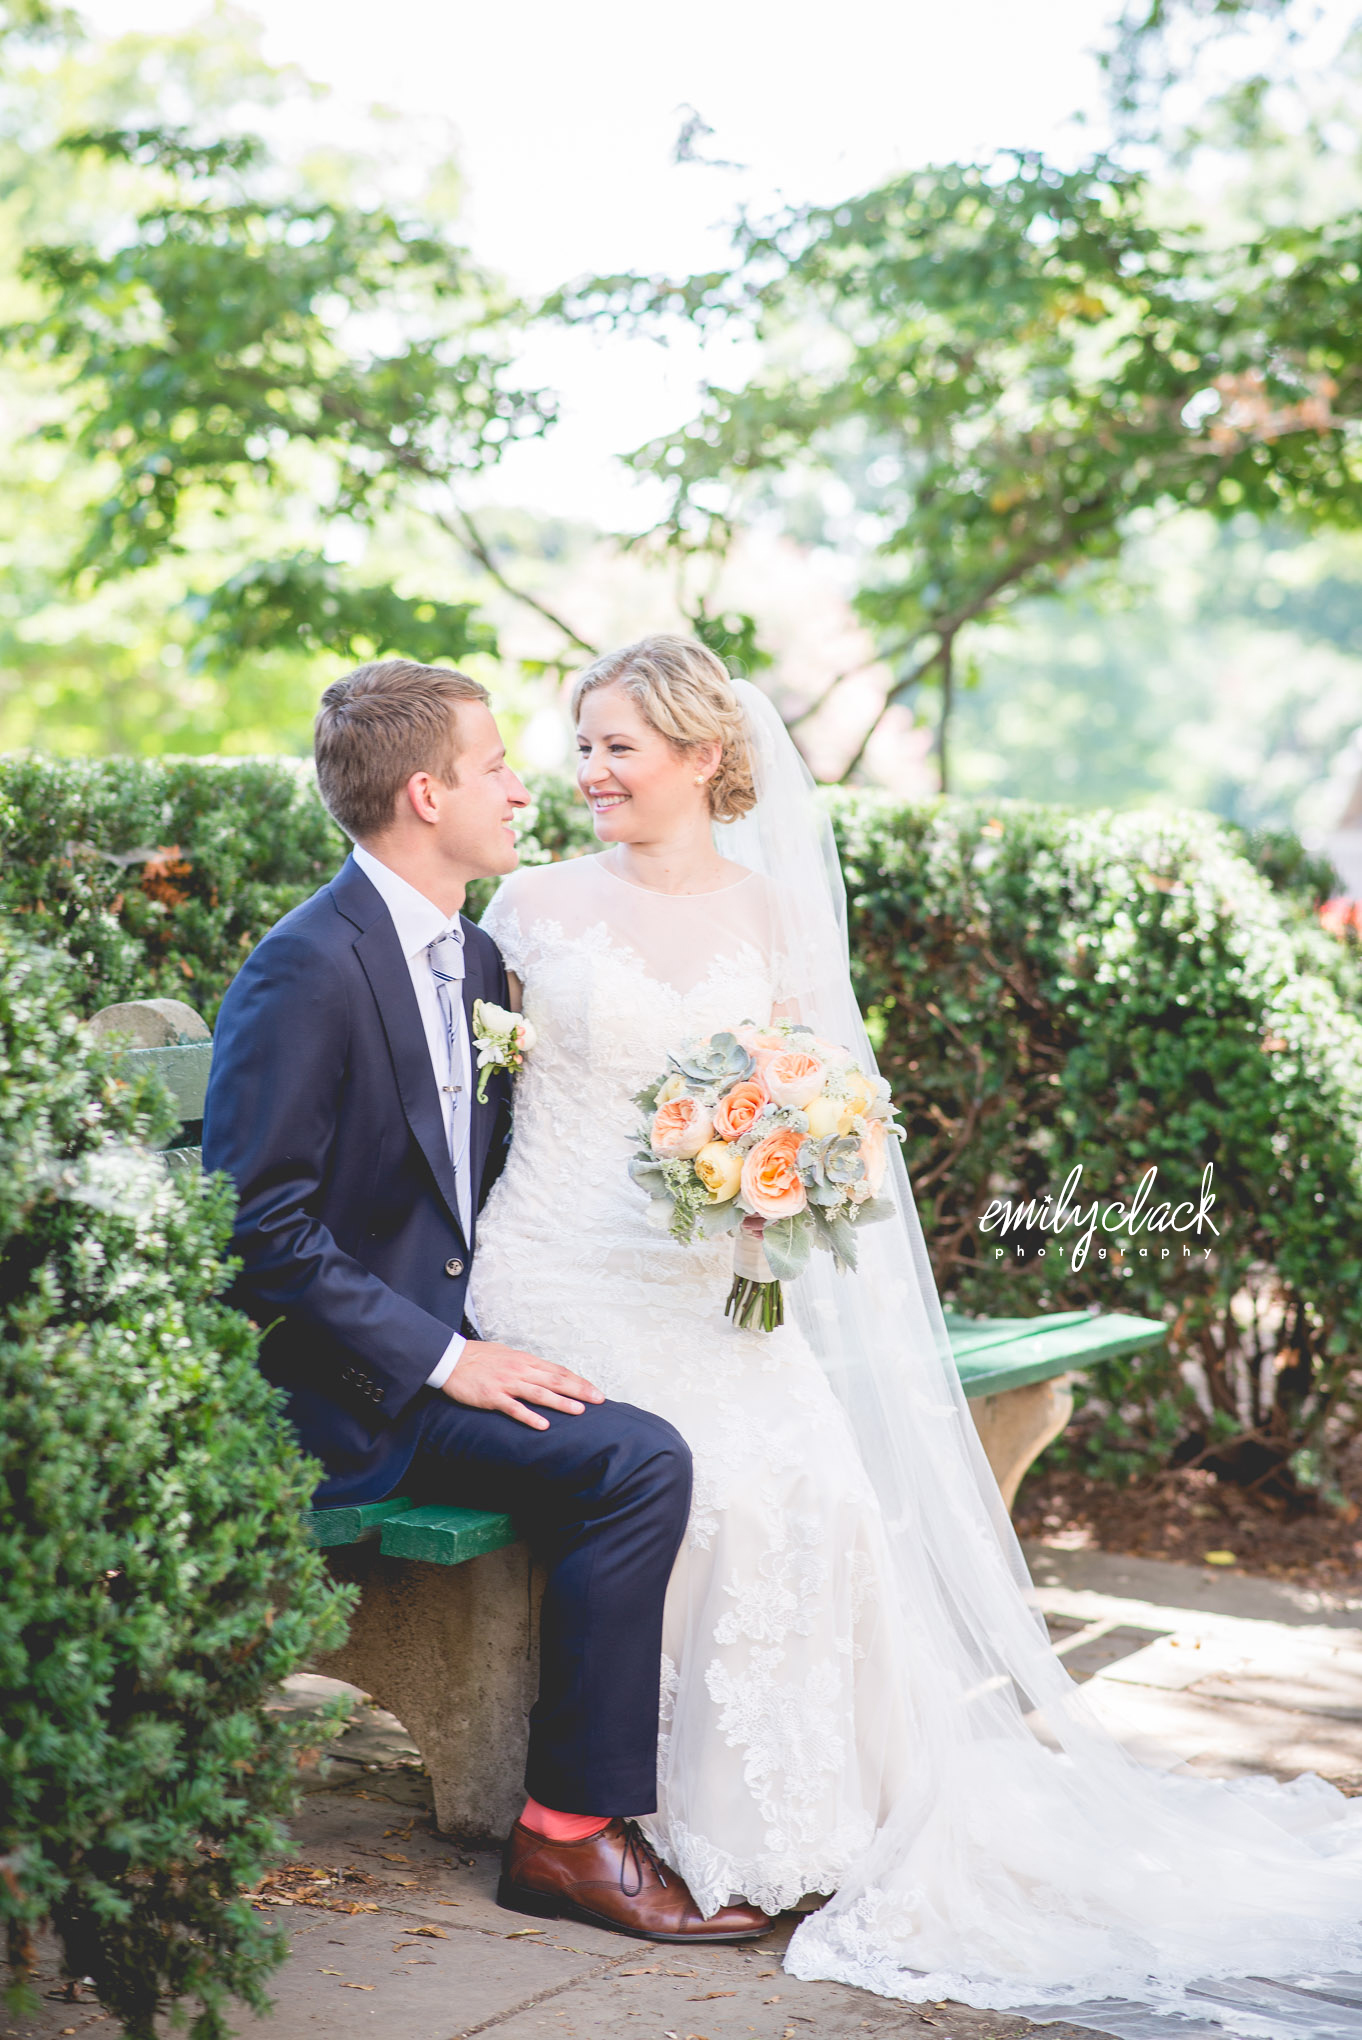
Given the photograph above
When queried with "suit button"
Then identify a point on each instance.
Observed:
(454, 1267)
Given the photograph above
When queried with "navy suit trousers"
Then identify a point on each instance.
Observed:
(603, 1499)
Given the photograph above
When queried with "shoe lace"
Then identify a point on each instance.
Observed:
(638, 1852)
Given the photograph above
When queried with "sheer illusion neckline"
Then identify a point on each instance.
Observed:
(653, 894)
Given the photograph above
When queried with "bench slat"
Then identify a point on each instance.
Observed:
(353, 1523)
(972, 1335)
(445, 1536)
(1049, 1351)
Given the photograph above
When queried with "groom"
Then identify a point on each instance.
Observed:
(342, 1104)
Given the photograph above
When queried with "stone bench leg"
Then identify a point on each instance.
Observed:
(453, 1652)
(1017, 1424)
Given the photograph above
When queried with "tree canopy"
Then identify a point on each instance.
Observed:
(1008, 361)
(242, 336)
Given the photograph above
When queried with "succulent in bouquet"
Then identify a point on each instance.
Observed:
(775, 1136)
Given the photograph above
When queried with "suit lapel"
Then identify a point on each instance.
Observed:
(385, 967)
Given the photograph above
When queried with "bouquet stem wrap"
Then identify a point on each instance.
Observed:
(756, 1298)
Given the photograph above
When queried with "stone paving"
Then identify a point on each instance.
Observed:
(395, 1931)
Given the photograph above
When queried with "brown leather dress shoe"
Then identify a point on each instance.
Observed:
(614, 1880)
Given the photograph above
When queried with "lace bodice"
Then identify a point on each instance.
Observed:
(615, 978)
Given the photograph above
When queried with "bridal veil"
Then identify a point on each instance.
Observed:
(1031, 1864)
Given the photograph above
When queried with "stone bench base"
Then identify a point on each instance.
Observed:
(453, 1652)
(1017, 1424)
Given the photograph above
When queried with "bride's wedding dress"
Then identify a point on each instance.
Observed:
(858, 1692)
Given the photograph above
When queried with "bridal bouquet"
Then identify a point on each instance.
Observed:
(772, 1134)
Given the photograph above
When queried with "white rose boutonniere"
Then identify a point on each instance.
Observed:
(504, 1040)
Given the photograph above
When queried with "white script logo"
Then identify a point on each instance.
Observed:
(1005, 1216)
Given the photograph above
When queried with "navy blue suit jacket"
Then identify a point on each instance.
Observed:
(323, 1109)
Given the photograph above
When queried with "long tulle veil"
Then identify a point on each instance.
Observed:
(1033, 1864)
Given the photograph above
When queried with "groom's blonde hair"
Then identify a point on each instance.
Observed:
(376, 727)
(682, 690)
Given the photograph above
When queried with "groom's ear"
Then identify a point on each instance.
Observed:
(421, 797)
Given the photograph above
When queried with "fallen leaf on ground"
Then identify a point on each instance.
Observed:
(431, 1933)
(328, 1972)
(357, 1986)
(389, 1857)
(635, 1972)
(1220, 1558)
(521, 1932)
(706, 1995)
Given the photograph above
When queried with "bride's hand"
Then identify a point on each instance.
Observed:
(490, 1376)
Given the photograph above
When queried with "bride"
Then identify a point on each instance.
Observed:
(859, 1697)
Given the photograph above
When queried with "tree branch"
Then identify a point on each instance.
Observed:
(896, 692)
(464, 532)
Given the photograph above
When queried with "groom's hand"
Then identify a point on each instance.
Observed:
(490, 1376)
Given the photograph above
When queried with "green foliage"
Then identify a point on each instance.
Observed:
(305, 603)
(1007, 362)
(1122, 991)
(158, 877)
(732, 633)
(156, 1579)
(218, 354)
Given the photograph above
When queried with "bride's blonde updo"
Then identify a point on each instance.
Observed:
(682, 690)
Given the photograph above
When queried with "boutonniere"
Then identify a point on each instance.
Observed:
(504, 1040)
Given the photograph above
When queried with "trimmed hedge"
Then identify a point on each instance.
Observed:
(1048, 988)
(1121, 991)
(158, 876)
(156, 1578)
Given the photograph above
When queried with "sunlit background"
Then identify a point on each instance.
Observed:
(1212, 662)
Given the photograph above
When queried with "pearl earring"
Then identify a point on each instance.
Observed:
(699, 779)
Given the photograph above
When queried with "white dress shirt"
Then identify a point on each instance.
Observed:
(419, 922)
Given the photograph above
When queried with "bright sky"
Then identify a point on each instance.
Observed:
(565, 118)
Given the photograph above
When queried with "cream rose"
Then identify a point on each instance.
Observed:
(771, 1183)
(673, 1088)
(681, 1128)
(859, 1091)
(793, 1078)
(719, 1168)
(824, 1116)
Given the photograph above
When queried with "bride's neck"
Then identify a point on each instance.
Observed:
(684, 863)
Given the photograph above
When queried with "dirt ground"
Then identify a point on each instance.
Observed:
(1187, 1515)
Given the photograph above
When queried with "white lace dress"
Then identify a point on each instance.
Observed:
(783, 1725)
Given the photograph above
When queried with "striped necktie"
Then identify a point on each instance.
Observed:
(446, 965)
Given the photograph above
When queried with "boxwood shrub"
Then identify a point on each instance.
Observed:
(156, 1580)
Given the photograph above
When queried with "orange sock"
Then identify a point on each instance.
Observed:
(562, 1827)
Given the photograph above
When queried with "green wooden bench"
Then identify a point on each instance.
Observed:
(451, 1646)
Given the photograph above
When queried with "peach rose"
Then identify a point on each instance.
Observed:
(771, 1184)
(793, 1078)
(761, 1044)
(739, 1107)
(875, 1155)
(681, 1127)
